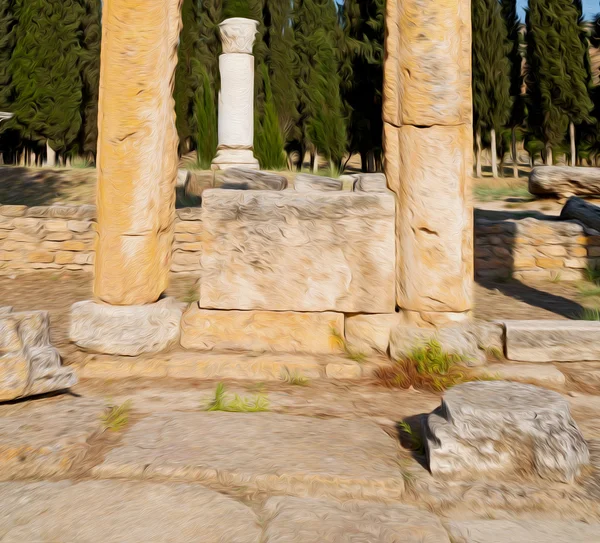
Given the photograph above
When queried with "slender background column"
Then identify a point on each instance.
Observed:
(137, 150)
(428, 155)
(236, 97)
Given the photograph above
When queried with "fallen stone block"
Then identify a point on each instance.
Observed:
(125, 330)
(290, 251)
(523, 531)
(305, 182)
(370, 182)
(29, 364)
(539, 374)
(564, 181)
(552, 341)
(582, 211)
(279, 331)
(504, 428)
(247, 179)
(312, 520)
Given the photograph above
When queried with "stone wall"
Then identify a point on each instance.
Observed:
(62, 238)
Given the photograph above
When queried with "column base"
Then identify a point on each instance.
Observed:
(127, 330)
(235, 158)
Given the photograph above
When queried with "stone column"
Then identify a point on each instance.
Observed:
(137, 170)
(428, 156)
(236, 97)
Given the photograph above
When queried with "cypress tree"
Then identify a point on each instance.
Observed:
(491, 75)
(268, 139)
(7, 43)
(91, 32)
(45, 71)
(517, 113)
(556, 79)
(364, 22)
(210, 15)
(205, 112)
(320, 103)
(186, 78)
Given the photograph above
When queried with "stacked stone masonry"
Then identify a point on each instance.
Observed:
(61, 238)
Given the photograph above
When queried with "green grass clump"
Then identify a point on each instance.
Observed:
(237, 404)
(340, 341)
(295, 379)
(411, 439)
(116, 417)
(488, 193)
(590, 314)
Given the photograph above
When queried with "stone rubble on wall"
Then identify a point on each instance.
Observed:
(29, 364)
(507, 428)
(305, 182)
(370, 182)
(247, 179)
(285, 251)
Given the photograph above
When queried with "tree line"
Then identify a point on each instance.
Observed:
(318, 80)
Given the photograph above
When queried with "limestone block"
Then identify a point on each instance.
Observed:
(247, 179)
(434, 219)
(433, 319)
(29, 364)
(305, 182)
(137, 150)
(497, 426)
(285, 251)
(523, 531)
(548, 341)
(580, 210)
(346, 370)
(261, 330)
(370, 182)
(125, 330)
(539, 374)
(313, 520)
(564, 181)
(370, 333)
(427, 63)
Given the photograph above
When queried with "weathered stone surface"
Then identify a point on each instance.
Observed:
(305, 182)
(539, 374)
(137, 150)
(117, 511)
(287, 251)
(125, 330)
(248, 179)
(564, 181)
(461, 340)
(428, 63)
(370, 333)
(434, 218)
(582, 211)
(293, 454)
(309, 520)
(547, 341)
(370, 182)
(29, 364)
(281, 331)
(523, 531)
(503, 427)
(433, 319)
(183, 177)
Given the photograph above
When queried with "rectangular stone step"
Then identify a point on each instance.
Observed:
(552, 341)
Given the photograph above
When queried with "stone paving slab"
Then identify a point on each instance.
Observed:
(302, 520)
(118, 511)
(523, 531)
(47, 436)
(267, 451)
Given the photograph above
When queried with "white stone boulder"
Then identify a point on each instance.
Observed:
(564, 181)
(370, 182)
(504, 428)
(29, 364)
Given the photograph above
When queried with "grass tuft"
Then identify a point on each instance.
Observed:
(411, 439)
(116, 417)
(489, 192)
(590, 314)
(295, 379)
(428, 367)
(237, 404)
(340, 341)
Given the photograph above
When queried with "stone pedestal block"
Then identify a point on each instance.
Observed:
(305, 182)
(428, 62)
(29, 364)
(504, 428)
(137, 150)
(126, 330)
(261, 330)
(286, 251)
(434, 223)
(370, 182)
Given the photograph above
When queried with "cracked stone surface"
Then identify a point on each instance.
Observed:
(113, 512)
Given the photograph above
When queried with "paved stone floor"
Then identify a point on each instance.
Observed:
(326, 462)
